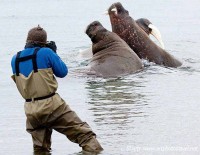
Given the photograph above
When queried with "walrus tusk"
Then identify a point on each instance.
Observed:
(114, 10)
(156, 33)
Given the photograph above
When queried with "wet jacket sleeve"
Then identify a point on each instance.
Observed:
(58, 66)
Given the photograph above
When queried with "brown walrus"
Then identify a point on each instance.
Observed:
(112, 57)
(137, 39)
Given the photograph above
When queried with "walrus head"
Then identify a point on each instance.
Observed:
(93, 30)
(150, 29)
(144, 24)
(116, 10)
(118, 18)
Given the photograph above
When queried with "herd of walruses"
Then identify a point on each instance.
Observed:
(121, 51)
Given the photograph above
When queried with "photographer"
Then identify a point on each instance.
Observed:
(33, 72)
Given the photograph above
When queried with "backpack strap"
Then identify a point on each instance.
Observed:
(26, 58)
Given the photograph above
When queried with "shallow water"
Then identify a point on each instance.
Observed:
(153, 112)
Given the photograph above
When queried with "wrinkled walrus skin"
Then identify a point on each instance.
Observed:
(112, 57)
(137, 39)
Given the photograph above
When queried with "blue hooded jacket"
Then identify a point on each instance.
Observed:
(46, 58)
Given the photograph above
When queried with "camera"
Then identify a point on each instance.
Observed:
(52, 45)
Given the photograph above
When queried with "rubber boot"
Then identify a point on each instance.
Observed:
(38, 150)
(92, 146)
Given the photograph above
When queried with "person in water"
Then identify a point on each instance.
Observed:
(33, 72)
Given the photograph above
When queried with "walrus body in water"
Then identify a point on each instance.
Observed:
(112, 57)
(137, 39)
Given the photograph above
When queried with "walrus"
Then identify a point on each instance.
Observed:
(127, 28)
(112, 57)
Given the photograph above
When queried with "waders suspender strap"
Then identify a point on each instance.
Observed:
(33, 57)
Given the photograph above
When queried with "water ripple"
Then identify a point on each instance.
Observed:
(116, 101)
